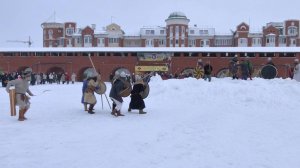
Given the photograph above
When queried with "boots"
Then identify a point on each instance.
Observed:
(85, 107)
(142, 112)
(21, 115)
(91, 109)
(119, 113)
(114, 112)
(114, 106)
(129, 109)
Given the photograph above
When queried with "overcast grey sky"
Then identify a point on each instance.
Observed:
(22, 18)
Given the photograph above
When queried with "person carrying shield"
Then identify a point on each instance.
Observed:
(89, 95)
(137, 101)
(21, 87)
(118, 85)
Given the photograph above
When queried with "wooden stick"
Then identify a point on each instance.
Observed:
(92, 63)
(107, 100)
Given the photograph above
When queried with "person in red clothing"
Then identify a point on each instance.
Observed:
(67, 77)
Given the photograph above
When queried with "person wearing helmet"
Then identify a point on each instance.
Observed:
(270, 62)
(22, 99)
(118, 85)
(89, 96)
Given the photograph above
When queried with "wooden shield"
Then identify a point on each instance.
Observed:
(128, 88)
(145, 93)
(268, 72)
(12, 99)
(101, 88)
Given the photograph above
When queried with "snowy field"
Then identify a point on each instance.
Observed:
(190, 124)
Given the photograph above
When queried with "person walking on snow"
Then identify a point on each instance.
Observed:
(22, 87)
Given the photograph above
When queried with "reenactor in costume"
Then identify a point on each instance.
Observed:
(244, 70)
(233, 67)
(22, 87)
(297, 70)
(207, 71)
(269, 71)
(250, 67)
(89, 95)
(118, 86)
(137, 101)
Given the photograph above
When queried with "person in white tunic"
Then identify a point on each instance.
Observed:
(297, 70)
(22, 87)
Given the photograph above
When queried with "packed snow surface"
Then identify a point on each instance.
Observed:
(190, 123)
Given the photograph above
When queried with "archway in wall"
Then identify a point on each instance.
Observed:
(223, 73)
(56, 70)
(187, 72)
(22, 68)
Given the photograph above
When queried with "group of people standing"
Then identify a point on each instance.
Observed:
(40, 78)
(120, 84)
(246, 68)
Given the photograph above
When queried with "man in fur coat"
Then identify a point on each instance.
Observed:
(89, 95)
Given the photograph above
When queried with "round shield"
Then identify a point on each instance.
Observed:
(198, 72)
(268, 72)
(146, 91)
(101, 88)
(127, 91)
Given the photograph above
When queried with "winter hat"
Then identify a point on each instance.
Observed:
(123, 74)
(296, 60)
(269, 58)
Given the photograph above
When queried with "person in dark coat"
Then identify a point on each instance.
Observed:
(250, 67)
(207, 71)
(233, 68)
(137, 101)
(117, 87)
(4, 80)
(244, 70)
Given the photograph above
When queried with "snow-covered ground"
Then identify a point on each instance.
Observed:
(190, 123)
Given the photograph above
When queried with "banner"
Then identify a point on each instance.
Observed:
(154, 57)
(151, 68)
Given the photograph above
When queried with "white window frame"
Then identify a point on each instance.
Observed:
(256, 42)
(243, 42)
(270, 40)
(292, 31)
(69, 31)
(50, 33)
